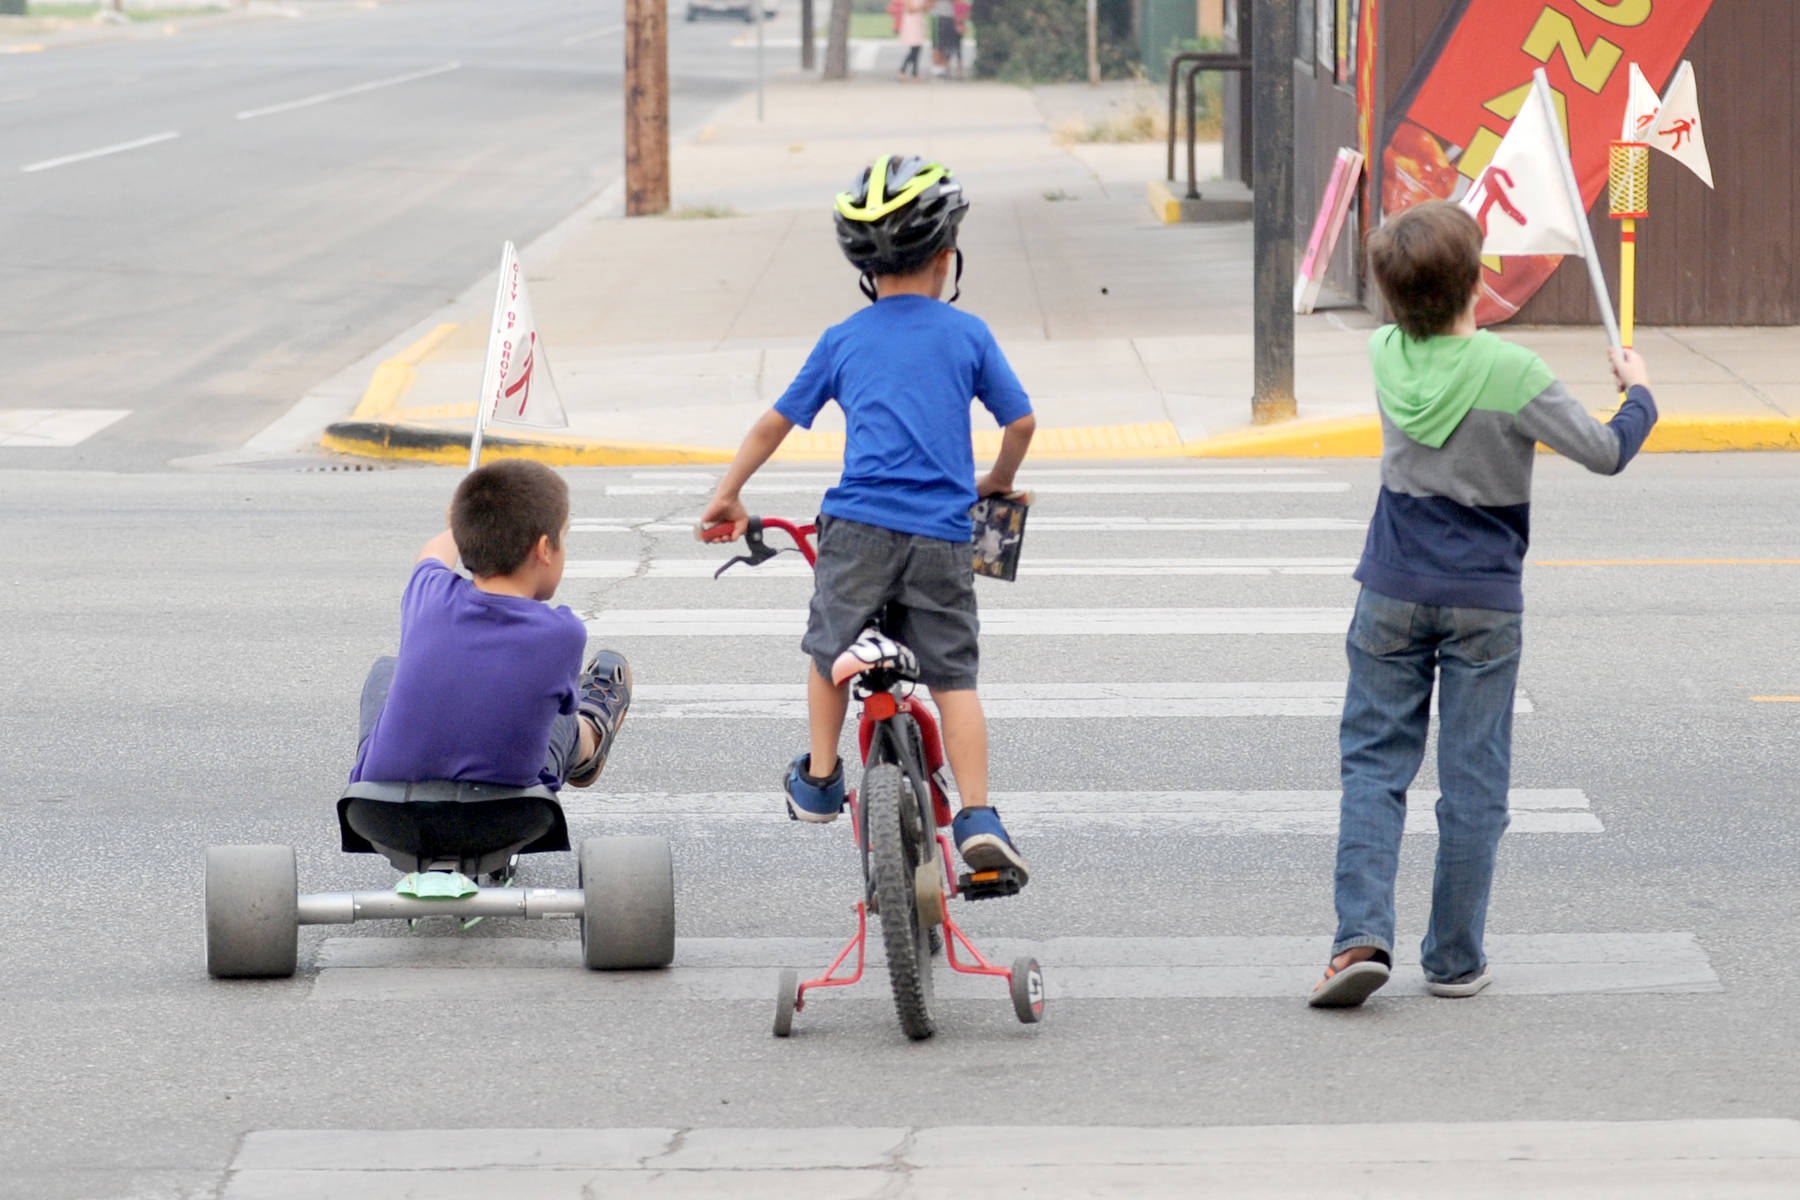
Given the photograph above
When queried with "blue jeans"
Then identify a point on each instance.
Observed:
(1395, 648)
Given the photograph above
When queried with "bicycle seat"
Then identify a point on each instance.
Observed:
(873, 652)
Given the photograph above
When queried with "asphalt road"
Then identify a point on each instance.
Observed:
(183, 652)
(204, 281)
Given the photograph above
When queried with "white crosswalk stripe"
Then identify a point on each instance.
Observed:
(1309, 813)
(1039, 523)
(1072, 701)
(1178, 487)
(995, 622)
(794, 567)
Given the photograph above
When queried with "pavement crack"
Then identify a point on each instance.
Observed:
(1747, 385)
(898, 1169)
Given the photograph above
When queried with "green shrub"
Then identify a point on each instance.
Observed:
(1045, 41)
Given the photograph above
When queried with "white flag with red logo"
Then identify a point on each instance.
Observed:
(517, 387)
(1641, 108)
(1678, 132)
(1522, 199)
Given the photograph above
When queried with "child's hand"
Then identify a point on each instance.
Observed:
(720, 513)
(1628, 368)
(992, 485)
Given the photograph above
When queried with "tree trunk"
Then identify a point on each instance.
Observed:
(837, 43)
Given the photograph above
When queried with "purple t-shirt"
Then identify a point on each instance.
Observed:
(480, 680)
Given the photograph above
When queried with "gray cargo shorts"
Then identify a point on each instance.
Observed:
(931, 583)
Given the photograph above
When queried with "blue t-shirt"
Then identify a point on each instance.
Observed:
(903, 370)
(480, 680)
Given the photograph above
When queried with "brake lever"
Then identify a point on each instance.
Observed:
(759, 551)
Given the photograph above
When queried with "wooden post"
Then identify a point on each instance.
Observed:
(837, 41)
(1272, 169)
(646, 107)
(807, 51)
(1093, 42)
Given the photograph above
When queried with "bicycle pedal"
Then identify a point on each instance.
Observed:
(990, 885)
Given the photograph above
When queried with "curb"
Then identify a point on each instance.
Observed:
(1343, 437)
(388, 439)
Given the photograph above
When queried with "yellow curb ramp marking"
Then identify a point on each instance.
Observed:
(1163, 203)
(24, 48)
(1775, 699)
(394, 377)
(1360, 437)
(1151, 440)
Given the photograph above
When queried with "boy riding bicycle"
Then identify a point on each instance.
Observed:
(894, 533)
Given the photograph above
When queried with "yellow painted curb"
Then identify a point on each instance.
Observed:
(557, 453)
(1342, 437)
(1163, 203)
(394, 377)
(1681, 434)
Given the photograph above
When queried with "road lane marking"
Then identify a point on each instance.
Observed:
(1037, 474)
(604, 31)
(117, 148)
(995, 622)
(1647, 1160)
(1063, 524)
(54, 428)
(513, 970)
(703, 815)
(793, 566)
(250, 114)
(1775, 699)
(774, 486)
(1668, 562)
(1076, 701)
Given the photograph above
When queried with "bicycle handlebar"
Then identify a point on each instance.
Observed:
(759, 550)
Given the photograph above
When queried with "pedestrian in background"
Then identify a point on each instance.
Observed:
(912, 35)
(943, 33)
(1462, 413)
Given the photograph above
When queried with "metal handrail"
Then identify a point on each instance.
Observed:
(1196, 61)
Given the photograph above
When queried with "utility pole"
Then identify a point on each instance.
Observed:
(1093, 32)
(1272, 77)
(808, 55)
(647, 107)
(837, 41)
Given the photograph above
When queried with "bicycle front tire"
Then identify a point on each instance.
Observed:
(892, 858)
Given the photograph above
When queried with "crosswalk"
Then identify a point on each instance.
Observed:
(1226, 612)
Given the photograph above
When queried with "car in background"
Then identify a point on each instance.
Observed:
(743, 9)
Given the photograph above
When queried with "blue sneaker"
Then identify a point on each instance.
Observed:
(814, 800)
(981, 840)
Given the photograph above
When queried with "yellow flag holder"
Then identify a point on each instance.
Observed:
(1628, 189)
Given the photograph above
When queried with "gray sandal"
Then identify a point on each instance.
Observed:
(1350, 986)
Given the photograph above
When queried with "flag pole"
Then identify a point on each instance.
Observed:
(1589, 252)
(1628, 200)
(487, 363)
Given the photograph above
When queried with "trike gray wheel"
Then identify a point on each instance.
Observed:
(628, 903)
(787, 999)
(892, 864)
(252, 912)
(1027, 990)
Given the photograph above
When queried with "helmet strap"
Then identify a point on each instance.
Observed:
(867, 284)
(956, 287)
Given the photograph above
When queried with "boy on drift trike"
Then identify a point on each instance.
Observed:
(896, 529)
(488, 685)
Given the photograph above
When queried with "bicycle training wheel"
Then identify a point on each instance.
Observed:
(896, 847)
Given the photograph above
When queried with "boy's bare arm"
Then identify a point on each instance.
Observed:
(443, 548)
(1013, 444)
(770, 430)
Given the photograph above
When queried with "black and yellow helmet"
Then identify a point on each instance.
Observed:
(898, 213)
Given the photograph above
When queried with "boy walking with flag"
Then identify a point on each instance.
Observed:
(1462, 413)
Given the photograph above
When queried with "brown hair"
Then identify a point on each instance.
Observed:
(501, 510)
(1427, 261)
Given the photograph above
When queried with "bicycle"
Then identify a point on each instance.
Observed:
(897, 819)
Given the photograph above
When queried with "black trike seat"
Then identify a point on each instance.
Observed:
(439, 822)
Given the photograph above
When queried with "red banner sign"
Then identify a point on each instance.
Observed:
(1473, 79)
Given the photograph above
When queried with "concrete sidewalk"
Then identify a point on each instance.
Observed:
(669, 335)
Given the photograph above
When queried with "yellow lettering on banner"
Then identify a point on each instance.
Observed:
(1619, 12)
(1480, 153)
(1494, 263)
(1591, 68)
(1506, 106)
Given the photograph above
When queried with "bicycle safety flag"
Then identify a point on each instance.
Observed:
(517, 387)
(1678, 132)
(1522, 198)
(1641, 108)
